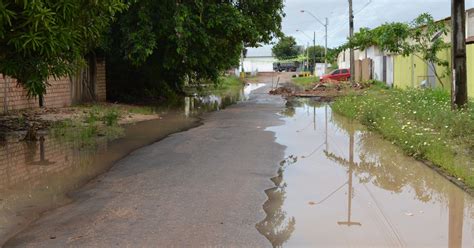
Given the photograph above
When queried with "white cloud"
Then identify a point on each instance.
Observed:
(378, 12)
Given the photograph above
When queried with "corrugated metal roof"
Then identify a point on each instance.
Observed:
(264, 51)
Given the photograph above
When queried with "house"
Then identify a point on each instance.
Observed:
(371, 62)
(411, 71)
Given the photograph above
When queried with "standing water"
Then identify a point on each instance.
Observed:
(37, 176)
(342, 186)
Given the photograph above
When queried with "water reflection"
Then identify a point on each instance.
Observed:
(195, 105)
(277, 226)
(36, 176)
(351, 188)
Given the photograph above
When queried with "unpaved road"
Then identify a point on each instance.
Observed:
(334, 184)
(203, 187)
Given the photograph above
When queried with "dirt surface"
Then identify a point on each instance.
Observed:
(43, 118)
(200, 188)
(323, 91)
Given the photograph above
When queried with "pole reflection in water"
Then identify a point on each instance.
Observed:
(456, 219)
(36, 176)
(390, 200)
(350, 223)
(42, 153)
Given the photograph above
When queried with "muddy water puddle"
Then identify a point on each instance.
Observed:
(36, 176)
(342, 186)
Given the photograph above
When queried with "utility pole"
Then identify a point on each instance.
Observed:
(314, 54)
(351, 33)
(325, 25)
(307, 56)
(459, 86)
(326, 47)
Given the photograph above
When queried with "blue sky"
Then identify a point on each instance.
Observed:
(375, 13)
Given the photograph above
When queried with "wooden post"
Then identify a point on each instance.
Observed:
(459, 85)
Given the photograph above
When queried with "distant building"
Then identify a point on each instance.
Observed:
(411, 71)
(259, 60)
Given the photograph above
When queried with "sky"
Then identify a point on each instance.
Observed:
(375, 13)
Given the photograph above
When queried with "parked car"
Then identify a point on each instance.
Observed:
(287, 66)
(337, 75)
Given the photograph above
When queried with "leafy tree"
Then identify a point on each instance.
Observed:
(315, 52)
(162, 44)
(286, 48)
(319, 53)
(44, 38)
(428, 42)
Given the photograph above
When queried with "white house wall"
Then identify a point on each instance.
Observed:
(343, 60)
(377, 68)
(259, 64)
(470, 23)
(390, 70)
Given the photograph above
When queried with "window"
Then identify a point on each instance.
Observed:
(345, 71)
(336, 72)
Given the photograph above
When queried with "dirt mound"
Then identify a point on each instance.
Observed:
(281, 91)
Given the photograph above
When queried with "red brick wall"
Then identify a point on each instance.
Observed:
(14, 96)
(58, 94)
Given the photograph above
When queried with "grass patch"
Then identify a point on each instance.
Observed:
(421, 123)
(84, 134)
(142, 110)
(96, 110)
(305, 82)
(98, 122)
(227, 85)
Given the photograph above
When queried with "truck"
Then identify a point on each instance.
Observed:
(286, 66)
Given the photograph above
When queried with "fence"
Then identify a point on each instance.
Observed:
(363, 70)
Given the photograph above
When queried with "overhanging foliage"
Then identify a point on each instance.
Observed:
(44, 38)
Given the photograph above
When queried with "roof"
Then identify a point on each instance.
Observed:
(468, 11)
(264, 51)
(470, 40)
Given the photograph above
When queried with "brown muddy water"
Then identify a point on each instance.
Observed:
(342, 186)
(37, 176)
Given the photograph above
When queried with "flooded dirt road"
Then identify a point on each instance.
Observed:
(342, 186)
(262, 174)
(36, 176)
(202, 187)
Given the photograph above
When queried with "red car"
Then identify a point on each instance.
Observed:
(337, 75)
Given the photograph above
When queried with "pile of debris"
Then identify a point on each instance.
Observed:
(332, 89)
(282, 91)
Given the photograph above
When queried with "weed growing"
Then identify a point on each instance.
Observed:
(99, 122)
(421, 122)
(306, 82)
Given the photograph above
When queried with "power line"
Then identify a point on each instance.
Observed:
(363, 7)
